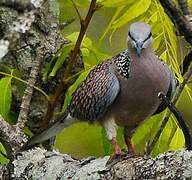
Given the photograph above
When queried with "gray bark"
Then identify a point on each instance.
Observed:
(40, 164)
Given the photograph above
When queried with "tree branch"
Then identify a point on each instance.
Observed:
(19, 5)
(23, 114)
(63, 25)
(72, 57)
(39, 164)
(178, 18)
(186, 62)
(184, 7)
(182, 123)
(11, 137)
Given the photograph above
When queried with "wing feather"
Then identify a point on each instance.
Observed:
(94, 95)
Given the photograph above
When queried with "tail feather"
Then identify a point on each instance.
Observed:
(60, 123)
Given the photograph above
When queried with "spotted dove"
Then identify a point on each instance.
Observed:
(121, 91)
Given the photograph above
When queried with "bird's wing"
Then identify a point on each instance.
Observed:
(170, 91)
(94, 95)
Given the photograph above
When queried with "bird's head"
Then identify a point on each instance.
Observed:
(139, 37)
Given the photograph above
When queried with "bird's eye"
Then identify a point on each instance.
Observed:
(131, 36)
(150, 34)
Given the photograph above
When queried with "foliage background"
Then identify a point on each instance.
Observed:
(106, 36)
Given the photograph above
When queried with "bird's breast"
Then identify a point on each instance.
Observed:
(138, 97)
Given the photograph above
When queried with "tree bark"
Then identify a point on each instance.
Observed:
(40, 164)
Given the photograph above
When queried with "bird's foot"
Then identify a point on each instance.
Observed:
(116, 155)
(115, 158)
(124, 155)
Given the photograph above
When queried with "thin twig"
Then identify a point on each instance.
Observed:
(77, 11)
(182, 123)
(186, 62)
(23, 114)
(176, 97)
(63, 25)
(61, 86)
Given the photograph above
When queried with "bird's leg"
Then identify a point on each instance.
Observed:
(117, 149)
(129, 144)
(127, 137)
(111, 127)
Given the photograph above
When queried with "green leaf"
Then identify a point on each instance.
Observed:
(7, 69)
(61, 58)
(85, 52)
(190, 3)
(177, 141)
(119, 9)
(27, 131)
(12, 117)
(3, 159)
(73, 38)
(157, 41)
(114, 3)
(15, 73)
(82, 3)
(5, 97)
(93, 57)
(168, 47)
(48, 68)
(133, 11)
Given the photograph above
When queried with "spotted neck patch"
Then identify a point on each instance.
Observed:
(123, 64)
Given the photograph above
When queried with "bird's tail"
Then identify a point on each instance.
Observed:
(60, 123)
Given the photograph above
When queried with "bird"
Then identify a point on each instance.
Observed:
(121, 91)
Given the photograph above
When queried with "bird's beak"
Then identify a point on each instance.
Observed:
(139, 47)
